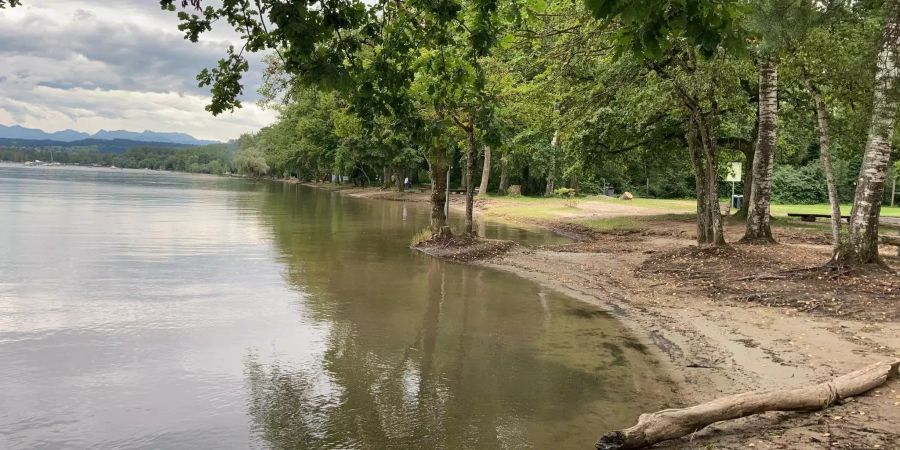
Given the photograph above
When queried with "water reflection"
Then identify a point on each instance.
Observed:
(425, 354)
(141, 309)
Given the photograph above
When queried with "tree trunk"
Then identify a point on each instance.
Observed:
(386, 180)
(716, 236)
(674, 423)
(504, 176)
(747, 182)
(401, 175)
(894, 190)
(749, 153)
(485, 171)
(758, 216)
(862, 246)
(704, 227)
(469, 228)
(438, 165)
(551, 173)
(827, 165)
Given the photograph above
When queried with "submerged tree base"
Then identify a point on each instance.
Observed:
(462, 248)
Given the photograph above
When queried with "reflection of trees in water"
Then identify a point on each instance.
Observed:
(337, 249)
(452, 385)
(280, 405)
(445, 357)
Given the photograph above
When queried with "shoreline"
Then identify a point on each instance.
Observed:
(710, 345)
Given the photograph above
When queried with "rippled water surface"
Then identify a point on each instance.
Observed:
(143, 309)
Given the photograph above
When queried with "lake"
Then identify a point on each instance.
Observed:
(143, 309)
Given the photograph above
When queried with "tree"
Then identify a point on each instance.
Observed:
(452, 76)
(772, 22)
(758, 215)
(825, 156)
(669, 35)
(862, 245)
(485, 171)
(251, 161)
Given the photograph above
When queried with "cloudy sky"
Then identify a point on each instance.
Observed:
(99, 64)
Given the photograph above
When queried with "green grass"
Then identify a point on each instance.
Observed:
(613, 224)
(420, 237)
(671, 205)
(531, 207)
(538, 208)
(783, 210)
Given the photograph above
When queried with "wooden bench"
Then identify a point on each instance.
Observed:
(882, 239)
(806, 217)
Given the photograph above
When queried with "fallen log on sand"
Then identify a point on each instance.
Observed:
(674, 423)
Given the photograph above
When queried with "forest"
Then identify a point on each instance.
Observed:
(652, 97)
(212, 159)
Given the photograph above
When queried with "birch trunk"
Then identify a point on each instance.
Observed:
(827, 165)
(485, 171)
(758, 216)
(747, 183)
(747, 179)
(894, 191)
(862, 246)
(469, 228)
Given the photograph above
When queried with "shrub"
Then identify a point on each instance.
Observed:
(421, 237)
(564, 192)
(804, 184)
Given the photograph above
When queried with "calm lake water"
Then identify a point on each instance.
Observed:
(145, 309)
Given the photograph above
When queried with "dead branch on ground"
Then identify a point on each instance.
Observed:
(674, 423)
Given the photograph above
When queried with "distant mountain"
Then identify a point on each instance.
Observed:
(18, 132)
(152, 136)
(101, 145)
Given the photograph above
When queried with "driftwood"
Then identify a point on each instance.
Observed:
(674, 423)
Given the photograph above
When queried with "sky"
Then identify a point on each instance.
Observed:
(99, 64)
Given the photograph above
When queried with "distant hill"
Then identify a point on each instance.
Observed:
(102, 145)
(19, 132)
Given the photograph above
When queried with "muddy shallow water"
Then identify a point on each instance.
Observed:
(142, 309)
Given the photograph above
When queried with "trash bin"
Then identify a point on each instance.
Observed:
(737, 201)
(610, 191)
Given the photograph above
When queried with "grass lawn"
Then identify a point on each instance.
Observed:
(613, 224)
(530, 207)
(783, 210)
(590, 211)
(670, 205)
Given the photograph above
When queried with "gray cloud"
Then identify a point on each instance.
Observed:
(54, 49)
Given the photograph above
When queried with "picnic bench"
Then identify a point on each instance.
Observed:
(882, 239)
(807, 217)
